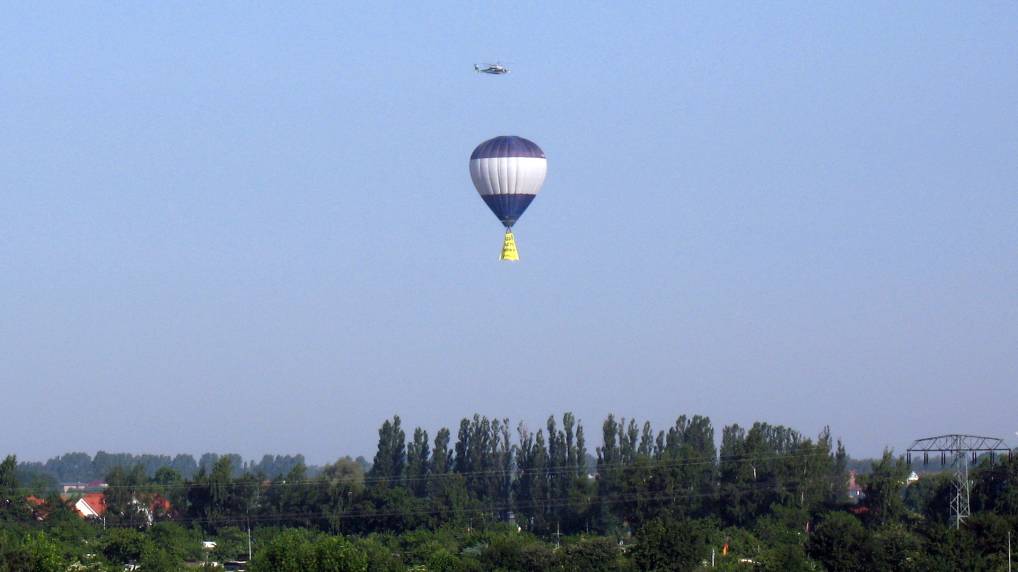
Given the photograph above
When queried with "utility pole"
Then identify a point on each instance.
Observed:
(249, 556)
(1009, 551)
(960, 447)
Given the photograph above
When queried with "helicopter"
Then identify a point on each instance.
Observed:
(493, 69)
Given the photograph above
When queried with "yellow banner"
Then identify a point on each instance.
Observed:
(509, 247)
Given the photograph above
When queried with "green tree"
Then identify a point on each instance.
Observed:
(42, 554)
(532, 485)
(996, 487)
(672, 544)
(537, 555)
(154, 559)
(610, 472)
(591, 555)
(214, 498)
(419, 463)
(124, 545)
(947, 549)
(894, 547)
(65, 527)
(737, 474)
(441, 560)
(220, 489)
(841, 543)
(36, 552)
(380, 557)
(175, 540)
(125, 498)
(504, 552)
(484, 460)
(337, 554)
(883, 488)
(12, 500)
(989, 532)
(167, 476)
(389, 466)
(291, 551)
(441, 455)
(772, 465)
(72, 467)
(297, 500)
(786, 558)
(169, 484)
(930, 496)
(343, 483)
(450, 502)
(567, 475)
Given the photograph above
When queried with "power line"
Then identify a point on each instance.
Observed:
(322, 479)
(548, 502)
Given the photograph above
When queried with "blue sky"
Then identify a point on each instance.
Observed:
(250, 227)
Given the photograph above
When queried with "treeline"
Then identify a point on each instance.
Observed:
(492, 473)
(541, 479)
(493, 496)
(83, 468)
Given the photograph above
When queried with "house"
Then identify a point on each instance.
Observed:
(855, 493)
(91, 486)
(95, 486)
(91, 505)
(39, 509)
(159, 507)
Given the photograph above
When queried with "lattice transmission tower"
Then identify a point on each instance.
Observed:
(961, 448)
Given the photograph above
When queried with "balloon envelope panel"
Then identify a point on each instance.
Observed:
(507, 146)
(508, 208)
(508, 172)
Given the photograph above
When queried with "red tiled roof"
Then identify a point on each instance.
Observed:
(95, 500)
(39, 509)
(160, 503)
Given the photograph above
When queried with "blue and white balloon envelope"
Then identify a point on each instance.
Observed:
(508, 172)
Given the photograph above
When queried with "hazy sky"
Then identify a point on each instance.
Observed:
(250, 227)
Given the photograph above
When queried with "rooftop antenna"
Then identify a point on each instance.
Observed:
(961, 448)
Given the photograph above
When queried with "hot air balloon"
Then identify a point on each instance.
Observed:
(508, 171)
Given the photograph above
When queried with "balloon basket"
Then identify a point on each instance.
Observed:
(509, 251)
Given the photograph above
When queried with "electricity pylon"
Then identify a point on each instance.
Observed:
(960, 447)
